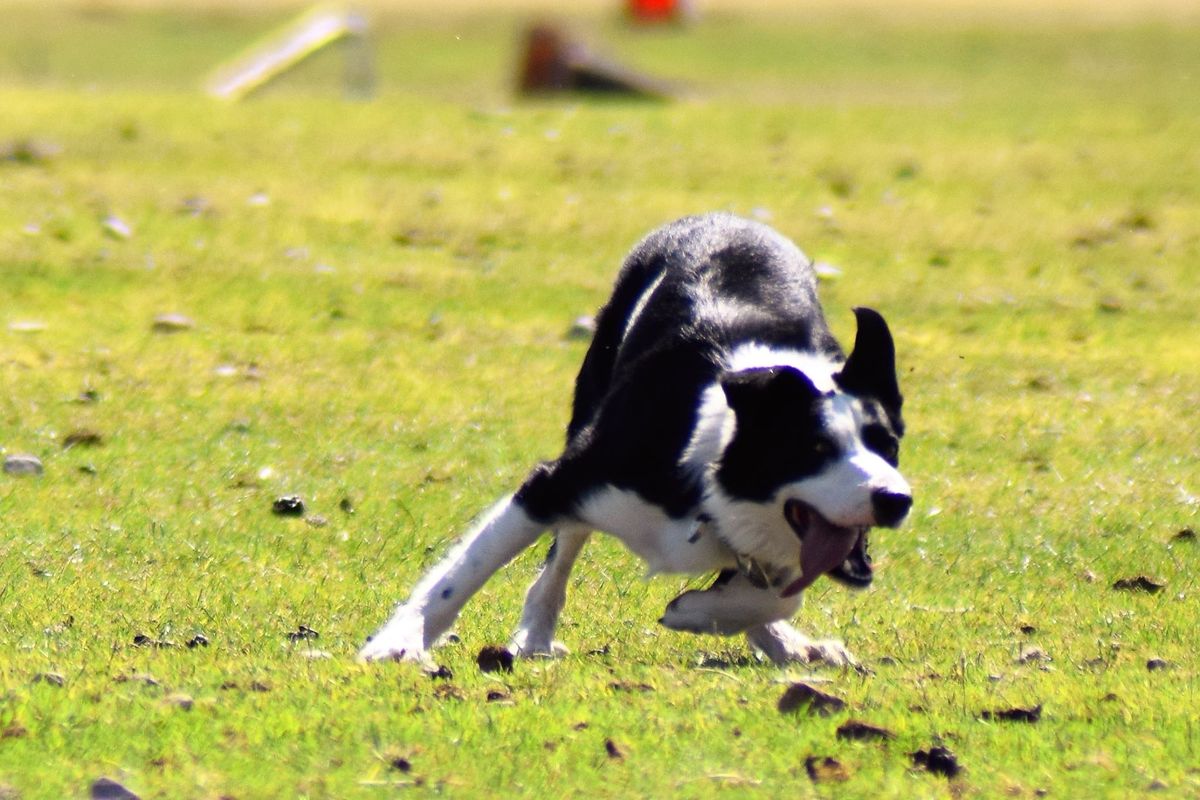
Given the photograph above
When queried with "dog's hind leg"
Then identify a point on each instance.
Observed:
(504, 531)
(784, 645)
(546, 596)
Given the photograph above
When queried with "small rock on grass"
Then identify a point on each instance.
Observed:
(172, 323)
(1156, 664)
(143, 678)
(23, 464)
(28, 152)
(195, 206)
(582, 329)
(1032, 655)
(183, 702)
(116, 227)
(108, 789)
(313, 654)
(52, 678)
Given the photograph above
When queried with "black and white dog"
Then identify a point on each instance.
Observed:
(717, 427)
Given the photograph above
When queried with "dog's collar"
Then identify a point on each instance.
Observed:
(760, 575)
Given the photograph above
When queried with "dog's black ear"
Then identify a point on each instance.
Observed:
(752, 393)
(870, 371)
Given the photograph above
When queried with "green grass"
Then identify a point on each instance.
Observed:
(1018, 196)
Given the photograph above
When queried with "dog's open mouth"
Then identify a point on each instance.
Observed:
(826, 548)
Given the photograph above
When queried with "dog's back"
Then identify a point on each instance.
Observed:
(714, 281)
(686, 298)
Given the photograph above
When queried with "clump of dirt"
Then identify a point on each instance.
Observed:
(938, 760)
(302, 633)
(448, 691)
(1141, 583)
(290, 505)
(493, 658)
(859, 731)
(1030, 715)
(825, 769)
(83, 437)
(142, 640)
(440, 673)
(802, 697)
(628, 686)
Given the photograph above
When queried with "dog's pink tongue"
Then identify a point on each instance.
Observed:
(824, 547)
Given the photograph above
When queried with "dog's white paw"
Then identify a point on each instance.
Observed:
(525, 644)
(393, 650)
(401, 639)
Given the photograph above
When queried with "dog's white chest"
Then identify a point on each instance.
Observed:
(665, 544)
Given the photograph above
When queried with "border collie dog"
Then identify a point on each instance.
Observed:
(717, 427)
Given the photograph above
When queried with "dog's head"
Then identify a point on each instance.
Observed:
(812, 462)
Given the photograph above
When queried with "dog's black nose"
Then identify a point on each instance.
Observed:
(890, 507)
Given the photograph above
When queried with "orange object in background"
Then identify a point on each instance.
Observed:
(660, 10)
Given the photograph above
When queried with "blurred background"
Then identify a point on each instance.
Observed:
(471, 50)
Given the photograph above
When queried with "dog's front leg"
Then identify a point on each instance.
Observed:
(504, 531)
(545, 598)
(784, 645)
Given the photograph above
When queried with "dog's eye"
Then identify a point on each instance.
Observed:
(877, 439)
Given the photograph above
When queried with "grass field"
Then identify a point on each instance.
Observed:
(381, 294)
